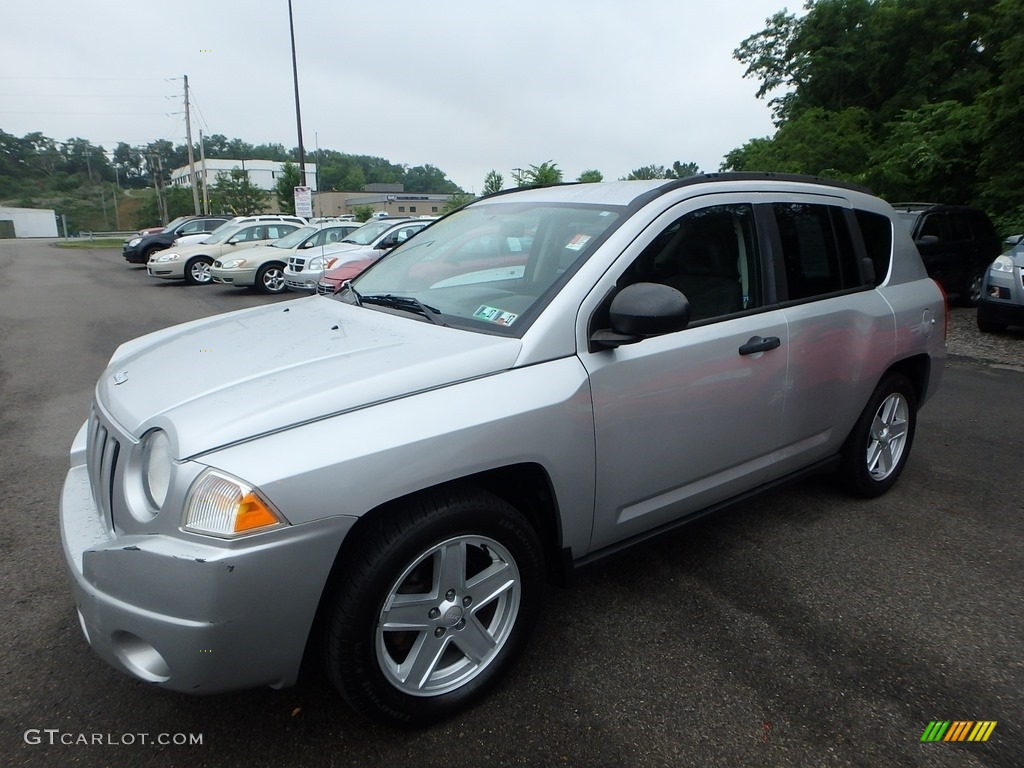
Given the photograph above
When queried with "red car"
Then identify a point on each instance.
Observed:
(334, 278)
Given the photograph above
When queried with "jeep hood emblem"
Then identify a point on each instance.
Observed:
(120, 378)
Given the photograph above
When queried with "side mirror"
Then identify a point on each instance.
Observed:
(388, 242)
(927, 240)
(642, 310)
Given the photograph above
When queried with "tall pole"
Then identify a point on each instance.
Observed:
(202, 162)
(298, 114)
(191, 154)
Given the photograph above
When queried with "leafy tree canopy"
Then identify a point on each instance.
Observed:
(918, 99)
(284, 189)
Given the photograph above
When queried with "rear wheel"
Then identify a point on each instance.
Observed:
(197, 271)
(433, 605)
(270, 279)
(971, 293)
(878, 447)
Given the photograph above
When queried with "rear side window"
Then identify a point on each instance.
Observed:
(877, 233)
(816, 248)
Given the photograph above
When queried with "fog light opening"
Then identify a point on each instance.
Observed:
(140, 657)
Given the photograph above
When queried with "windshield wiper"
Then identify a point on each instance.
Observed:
(407, 303)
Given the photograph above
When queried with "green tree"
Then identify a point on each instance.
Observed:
(818, 142)
(537, 175)
(649, 172)
(684, 170)
(591, 176)
(457, 200)
(426, 179)
(178, 201)
(284, 189)
(493, 182)
(234, 193)
(363, 212)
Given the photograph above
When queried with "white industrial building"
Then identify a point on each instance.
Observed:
(262, 173)
(27, 222)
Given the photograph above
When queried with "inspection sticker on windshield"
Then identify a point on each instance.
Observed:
(494, 315)
(577, 242)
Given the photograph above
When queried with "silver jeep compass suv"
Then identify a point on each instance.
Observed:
(534, 382)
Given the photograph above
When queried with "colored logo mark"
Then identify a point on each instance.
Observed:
(958, 730)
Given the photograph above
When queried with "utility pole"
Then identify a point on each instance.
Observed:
(191, 155)
(298, 115)
(202, 161)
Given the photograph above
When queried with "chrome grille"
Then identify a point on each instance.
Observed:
(101, 459)
(324, 290)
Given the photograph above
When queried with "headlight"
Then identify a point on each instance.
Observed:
(156, 467)
(233, 264)
(164, 257)
(1002, 264)
(317, 262)
(221, 505)
(134, 241)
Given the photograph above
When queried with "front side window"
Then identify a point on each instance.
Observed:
(490, 268)
(710, 256)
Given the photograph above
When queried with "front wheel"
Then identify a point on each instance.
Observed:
(877, 449)
(270, 279)
(432, 606)
(197, 271)
(971, 294)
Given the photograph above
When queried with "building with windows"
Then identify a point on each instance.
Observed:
(390, 199)
(262, 173)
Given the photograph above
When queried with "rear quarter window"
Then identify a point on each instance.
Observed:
(876, 230)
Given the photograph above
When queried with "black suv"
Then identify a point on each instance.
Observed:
(139, 249)
(957, 243)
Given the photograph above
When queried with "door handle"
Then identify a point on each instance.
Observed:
(759, 344)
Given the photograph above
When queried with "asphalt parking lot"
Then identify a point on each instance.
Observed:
(803, 629)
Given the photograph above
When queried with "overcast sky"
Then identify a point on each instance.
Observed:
(464, 86)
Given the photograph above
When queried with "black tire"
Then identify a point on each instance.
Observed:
(270, 279)
(148, 253)
(970, 294)
(195, 270)
(985, 325)
(877, 449)
(399, 552)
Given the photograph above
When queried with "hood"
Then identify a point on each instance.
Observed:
(227, 378)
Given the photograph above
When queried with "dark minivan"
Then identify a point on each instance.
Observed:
(956, 243)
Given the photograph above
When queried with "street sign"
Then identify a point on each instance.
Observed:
(304, 201)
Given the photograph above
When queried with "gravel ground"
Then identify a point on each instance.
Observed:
(965, 341)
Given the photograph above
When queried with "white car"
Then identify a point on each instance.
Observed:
(262, 267)
(204, 237)
(192, 263)
(370, 240)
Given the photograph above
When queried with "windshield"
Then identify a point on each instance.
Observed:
(296, 238)
(489, 267)
(908, 218)
(170, 227)
(367, 233)
(222, 233)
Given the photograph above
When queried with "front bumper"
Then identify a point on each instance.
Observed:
(133, 255)
(188, 615)
(168, 270)
(302, 281)
(243, 277)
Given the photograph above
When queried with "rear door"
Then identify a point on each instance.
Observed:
(841, 330)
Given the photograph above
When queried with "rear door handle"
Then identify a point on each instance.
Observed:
(760, 344)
